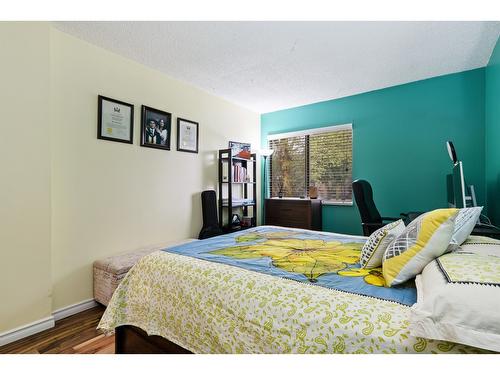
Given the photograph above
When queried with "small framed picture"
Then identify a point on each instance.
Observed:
(115, 120)
(155, 128)
(187, 135)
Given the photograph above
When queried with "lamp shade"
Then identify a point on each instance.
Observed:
(266, 152)
(451, 152)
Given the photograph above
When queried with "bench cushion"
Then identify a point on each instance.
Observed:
(109, 272)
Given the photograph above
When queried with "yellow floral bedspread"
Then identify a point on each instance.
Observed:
(209, 307)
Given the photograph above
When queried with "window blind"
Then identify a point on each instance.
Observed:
(288, 166)
(317, 158)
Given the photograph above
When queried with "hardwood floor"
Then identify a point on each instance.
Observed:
(72, 335)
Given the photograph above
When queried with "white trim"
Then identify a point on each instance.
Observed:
(46, 323)
(26, 330)
(74, 309)
(324, 129)
(323, 201)
(336, 203)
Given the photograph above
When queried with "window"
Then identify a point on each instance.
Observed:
(318, 157)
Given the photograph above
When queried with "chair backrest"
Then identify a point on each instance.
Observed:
(363, 194)
(209, 207)
(210, 220)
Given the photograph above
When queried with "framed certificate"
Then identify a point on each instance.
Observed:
(115, 120)
(187, 135)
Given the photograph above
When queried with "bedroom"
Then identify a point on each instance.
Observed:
(391, 101)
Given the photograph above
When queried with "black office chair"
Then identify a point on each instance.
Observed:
(210, 221)
(370, 217)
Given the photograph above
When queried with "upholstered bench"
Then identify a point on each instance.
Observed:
(110, 271)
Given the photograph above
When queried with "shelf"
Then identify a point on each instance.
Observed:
(247, 192)
(238, 204)
(227, 182)
(239, 159)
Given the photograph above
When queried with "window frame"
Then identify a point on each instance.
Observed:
(315, 131)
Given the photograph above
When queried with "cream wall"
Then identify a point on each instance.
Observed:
(25, 270)
(67, 198)
(109, 197)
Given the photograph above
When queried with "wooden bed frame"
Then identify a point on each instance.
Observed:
(133, 340)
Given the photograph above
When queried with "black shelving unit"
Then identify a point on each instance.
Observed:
(226, 208)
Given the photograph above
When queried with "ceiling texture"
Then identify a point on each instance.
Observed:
(268, 66)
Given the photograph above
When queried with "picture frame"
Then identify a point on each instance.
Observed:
(187, 135)
(156, 128)
(115, 120)
(240, 149)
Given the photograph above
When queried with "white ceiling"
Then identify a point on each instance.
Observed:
(266, 66)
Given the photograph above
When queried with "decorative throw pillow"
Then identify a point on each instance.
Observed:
(423, 240)
(374, 248)
(459, 300)
(464, 224)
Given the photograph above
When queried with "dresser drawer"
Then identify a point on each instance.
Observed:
(295, 213)
(289, 222)
(288, 208)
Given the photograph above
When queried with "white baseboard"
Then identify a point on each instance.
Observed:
(26, 330)
(74, 309)
(41, 325)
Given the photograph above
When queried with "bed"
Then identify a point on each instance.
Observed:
(264, 290)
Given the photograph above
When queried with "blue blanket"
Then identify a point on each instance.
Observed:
(318, 258)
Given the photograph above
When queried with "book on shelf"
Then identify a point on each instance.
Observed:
(225, 175)
(239, 173)
(237, 201)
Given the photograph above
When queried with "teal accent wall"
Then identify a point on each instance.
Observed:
(399, 136)
(492, 129)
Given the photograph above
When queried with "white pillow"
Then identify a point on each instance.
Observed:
(464, 224)
(462, 312)
(374, 248)
(480, 245)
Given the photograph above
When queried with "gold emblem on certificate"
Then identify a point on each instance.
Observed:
(115, 120)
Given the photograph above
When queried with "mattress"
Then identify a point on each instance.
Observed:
(212, 306)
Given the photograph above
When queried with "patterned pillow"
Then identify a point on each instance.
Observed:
(464, 224)
(423, 240)
(374, 248)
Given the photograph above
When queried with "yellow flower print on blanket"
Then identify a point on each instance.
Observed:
(328, 260)
(309, 257)
(255, 236)
(371, 276)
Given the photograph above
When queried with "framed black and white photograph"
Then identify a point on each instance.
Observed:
(156, 128)
(115, 120)
(187, 135)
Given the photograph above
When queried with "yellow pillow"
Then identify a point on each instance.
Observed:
(423, 240)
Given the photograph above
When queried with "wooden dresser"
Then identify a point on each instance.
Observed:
(295, 213)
